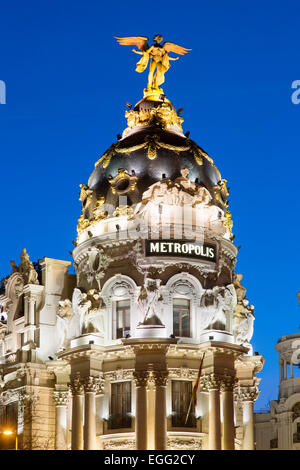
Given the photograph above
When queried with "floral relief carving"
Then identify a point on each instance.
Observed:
(177, 443)
(115, 444)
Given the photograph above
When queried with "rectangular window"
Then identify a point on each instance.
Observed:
(181, 399)
(120, 408)
(123, 318)
(181, 317)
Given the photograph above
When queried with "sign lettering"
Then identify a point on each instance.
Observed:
(180, 248)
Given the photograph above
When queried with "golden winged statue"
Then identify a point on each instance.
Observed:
(158, 54)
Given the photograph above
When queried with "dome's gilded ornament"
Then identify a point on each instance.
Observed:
(151, 143)
(164, 115)
(221, 192)
(228, 224)
(152, 149)
(157, 54)
(98, 212)
(123, 183)
(123, 211)
(82, 223)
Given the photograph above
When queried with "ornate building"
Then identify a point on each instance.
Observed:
(109, 358)
(279, 427)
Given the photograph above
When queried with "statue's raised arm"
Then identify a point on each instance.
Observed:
(158, 55)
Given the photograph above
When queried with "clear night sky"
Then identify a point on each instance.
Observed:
(67, 83)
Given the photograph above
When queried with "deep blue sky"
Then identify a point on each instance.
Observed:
(67, 83)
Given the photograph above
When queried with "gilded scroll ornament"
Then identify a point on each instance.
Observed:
(105, 159)
(164, 115)
(228, 223)
(82, 223)
(121, 211)
(123, 183)
(152, 143)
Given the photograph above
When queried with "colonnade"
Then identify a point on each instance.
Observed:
(84, 393)
(150, 374)
(221, 426)
(221, 397)
(283, 374)
(159, 379)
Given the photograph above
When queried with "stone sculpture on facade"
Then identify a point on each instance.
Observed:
(92, 267)
(183, 194)
(25, 268)
(243, 327)
(243, 315)
(148, 302)
(67, 324)
(88, 308)
(216, 305)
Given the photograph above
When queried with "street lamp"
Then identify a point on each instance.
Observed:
(9, 432)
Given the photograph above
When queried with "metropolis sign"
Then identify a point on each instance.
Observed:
(180, 249)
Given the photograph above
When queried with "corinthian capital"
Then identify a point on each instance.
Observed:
(160, 377)
(141, 377)
(227, 383)
(211, 382)
(61, 398)
(248, 393)
(93, 384)
(76, 385)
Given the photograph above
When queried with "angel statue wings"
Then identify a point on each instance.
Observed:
(158, 54)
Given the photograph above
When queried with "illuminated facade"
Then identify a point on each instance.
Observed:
(108, 359)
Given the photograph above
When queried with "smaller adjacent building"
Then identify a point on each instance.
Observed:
(279, 428)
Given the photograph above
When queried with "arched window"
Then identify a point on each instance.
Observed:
(119, 295)
(182, 293)
(122, 318)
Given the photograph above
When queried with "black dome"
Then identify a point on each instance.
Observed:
(151, 154)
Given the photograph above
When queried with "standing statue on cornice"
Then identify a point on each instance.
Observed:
(148, 302)
(158, 54)
(27, 270)
(243, 315)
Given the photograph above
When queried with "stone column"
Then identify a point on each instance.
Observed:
(61, 401)
(141, 378)
(284, 370)
(280, 371)
(212, 383)
(91, 385)
(160, 380)
(77, 413)
(27, 410)
(248, 396)
(31, 311)
(285, 428)
(150, 414)
(228, 413)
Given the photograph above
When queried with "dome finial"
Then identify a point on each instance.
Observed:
(157, 54)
